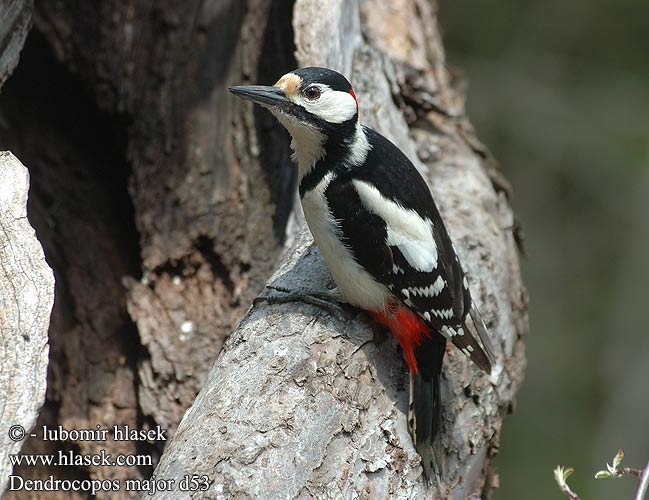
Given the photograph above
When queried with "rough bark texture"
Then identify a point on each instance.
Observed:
(26, 298)
(15, 22)
(301, 403)
(161, 203)
(199, 187)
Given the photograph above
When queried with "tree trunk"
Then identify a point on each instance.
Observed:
(161, 203)
(163, 206)
(302, 403)
(26, 298)
(15, 22)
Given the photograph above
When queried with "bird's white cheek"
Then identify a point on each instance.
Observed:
(333, 106)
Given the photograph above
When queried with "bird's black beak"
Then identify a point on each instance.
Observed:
(262, 94)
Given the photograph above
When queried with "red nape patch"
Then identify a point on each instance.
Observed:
(351, 91)
(408, 328)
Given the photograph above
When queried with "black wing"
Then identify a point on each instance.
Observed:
(438, 294)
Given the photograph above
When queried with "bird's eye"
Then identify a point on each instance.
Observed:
(312, 92)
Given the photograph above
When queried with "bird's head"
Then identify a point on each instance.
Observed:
(314, 104)
(317, 98)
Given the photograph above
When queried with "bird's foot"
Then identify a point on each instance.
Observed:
(328, 300)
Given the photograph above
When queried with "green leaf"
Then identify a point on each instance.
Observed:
(561, 474)
(617, 460)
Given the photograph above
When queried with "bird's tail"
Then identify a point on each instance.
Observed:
(425, 408)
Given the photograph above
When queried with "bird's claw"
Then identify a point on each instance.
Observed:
(325, 300)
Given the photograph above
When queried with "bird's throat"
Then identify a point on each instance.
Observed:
(308, 143)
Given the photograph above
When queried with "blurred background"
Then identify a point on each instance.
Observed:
(559, 91)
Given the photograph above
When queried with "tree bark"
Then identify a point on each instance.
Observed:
(15, 22)
(302, 403)
(163, 205)
(26, 298)
(200, 182)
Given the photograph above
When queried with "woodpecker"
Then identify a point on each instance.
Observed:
(380, 233)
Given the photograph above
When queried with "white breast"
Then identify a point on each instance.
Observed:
(355, 283)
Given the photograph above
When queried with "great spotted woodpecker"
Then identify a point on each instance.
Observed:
(381, 235)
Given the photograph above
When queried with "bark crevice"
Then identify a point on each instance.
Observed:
(344, 394)
(164, 205)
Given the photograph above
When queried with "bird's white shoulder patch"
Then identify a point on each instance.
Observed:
(407, 230)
